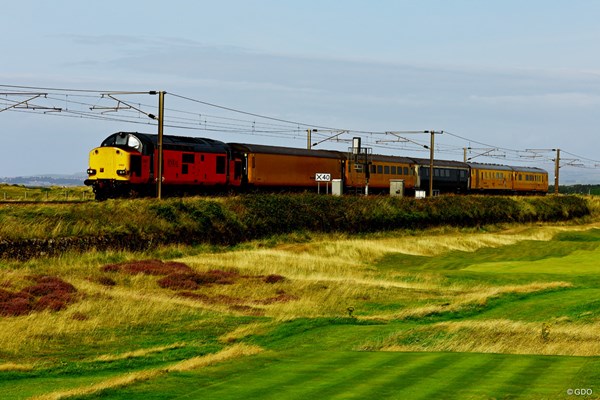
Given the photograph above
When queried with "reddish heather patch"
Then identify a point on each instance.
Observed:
(79, 316)
(179, 282)
(48, 293)
(274, 278)
(281, 297)
(148, 267)
(218, 299)
(193, 280)
(48, 285)
(15, 306)
(106, 281)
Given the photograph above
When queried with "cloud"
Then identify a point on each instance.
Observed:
(549, 100)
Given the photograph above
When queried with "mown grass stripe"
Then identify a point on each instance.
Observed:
(403, 364)
(561, 374)
(463, 377)
(296, 371)
(510, 376)
(380, 382)
(387, 382)
(414, 381)
(343, 380)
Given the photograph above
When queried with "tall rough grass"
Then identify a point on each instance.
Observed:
(29, 231)
(499, 336)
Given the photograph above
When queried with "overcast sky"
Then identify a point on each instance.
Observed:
(509, 74)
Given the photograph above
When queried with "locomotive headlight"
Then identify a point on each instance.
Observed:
(121, 172)
(91, 171)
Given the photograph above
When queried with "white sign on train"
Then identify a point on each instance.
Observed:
(320, 177)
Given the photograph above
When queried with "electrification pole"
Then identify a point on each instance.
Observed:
(161, 124)
(556, 170)
(431, 163)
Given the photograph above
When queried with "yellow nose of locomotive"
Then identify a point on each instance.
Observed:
(109, 163)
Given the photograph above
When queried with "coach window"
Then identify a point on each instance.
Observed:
(380, 169)
(386, 169)
(373, 169)
(393, 171)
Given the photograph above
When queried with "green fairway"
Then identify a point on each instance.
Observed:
(377, 375)
(576, 263)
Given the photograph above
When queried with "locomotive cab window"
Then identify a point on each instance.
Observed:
(134, 143)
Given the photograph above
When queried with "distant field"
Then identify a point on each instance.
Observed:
(54, 193)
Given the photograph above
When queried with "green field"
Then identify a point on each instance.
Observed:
(508, 313)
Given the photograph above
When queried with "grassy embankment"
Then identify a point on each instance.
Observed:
(17, 193)
(443, 313)
(33, 229)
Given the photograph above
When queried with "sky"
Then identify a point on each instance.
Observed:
(500, 77)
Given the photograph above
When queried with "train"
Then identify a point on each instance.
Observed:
(126, 165)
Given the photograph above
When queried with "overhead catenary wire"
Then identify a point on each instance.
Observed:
(258, 125)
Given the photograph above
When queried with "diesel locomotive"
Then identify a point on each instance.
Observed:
(126, 165)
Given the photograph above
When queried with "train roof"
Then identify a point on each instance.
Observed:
(171, 142)
(535, 170)
(397, 159)
(264, 149)
(440, 163)
(497, 167)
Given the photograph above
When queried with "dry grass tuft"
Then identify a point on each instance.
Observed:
(243, 331)
(235, 351)
(474, 296)
(137, 353)
(500, 336)
(7, 367)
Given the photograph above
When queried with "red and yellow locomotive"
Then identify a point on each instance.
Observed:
(126, 163)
